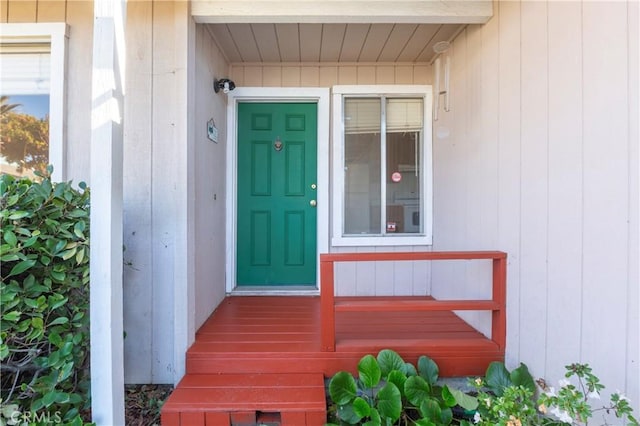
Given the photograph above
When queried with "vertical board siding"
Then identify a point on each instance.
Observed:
(400, 278)
(542, 113)
(51, 11)
(534, 182)
(4, 11)
(509, 154)
(210, 182)
(450, 165)
(22, 10)
(159, 170)
(605, 192)
(163, 188)
(565, 194)
(78, 70)
(139, 266)
(633, 314)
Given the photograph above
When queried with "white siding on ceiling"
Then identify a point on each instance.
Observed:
(337, 42)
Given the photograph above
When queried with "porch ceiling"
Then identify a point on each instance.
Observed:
(330, 42)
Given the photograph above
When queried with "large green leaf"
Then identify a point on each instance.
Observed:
(78, 229)
(10, 238)
(430, 409)
(21, 267)
(389, 402)
(369, 371)
(446, 416)
(347, 414)
(58, 321)
(389, 360)
(397, 378)
(375, 419)
(12, 316)
(521, 377)
(428, 369)
(447, 396)
(410, 369)
(18, 215)
(497, 378)
(342, 388)
(416, 389)
(10, 257)
(361, 407)
(464, 400)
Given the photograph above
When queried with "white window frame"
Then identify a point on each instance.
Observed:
(55, 34)
(338, 237)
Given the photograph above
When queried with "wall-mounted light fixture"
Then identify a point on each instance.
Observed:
(223, 84)
(441, 48)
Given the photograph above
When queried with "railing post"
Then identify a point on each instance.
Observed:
(327, 307)
(499, 317)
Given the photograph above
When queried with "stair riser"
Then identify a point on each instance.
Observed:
(449, 367)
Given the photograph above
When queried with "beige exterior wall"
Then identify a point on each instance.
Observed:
(34, 11)
(159, 193)
(327, 74)
(542, 162)
(210, 170)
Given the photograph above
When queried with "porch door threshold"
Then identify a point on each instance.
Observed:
(275, 290)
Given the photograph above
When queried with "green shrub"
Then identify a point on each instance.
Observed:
(390, 391)
(44, 324)
(509, 399)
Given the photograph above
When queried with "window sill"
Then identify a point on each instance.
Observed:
(395, 240)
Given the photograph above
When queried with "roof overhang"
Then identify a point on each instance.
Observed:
(342, 11)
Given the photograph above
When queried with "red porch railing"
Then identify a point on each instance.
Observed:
(329, 304)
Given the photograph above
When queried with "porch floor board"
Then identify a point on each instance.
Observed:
(262, 354)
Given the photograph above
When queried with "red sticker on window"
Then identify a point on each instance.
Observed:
(396, 177)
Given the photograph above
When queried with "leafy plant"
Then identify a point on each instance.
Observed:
(390, 391)
(571, 403)
(44, 336)
(509, 399)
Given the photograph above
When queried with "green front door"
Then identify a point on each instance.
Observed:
(276, 223)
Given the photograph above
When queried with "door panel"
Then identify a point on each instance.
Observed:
(276, 224)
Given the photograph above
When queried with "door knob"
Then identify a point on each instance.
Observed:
(313, 203)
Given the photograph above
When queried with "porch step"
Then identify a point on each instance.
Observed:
(247, 399)
(455, 357)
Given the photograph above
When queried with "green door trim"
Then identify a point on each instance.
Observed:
(320, 96)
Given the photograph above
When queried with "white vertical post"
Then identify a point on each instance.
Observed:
(107, 360)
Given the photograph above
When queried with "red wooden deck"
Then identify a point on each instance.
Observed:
(263, 359)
